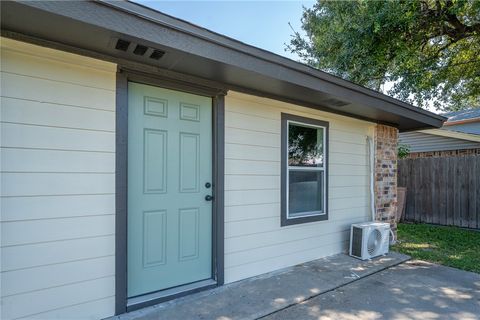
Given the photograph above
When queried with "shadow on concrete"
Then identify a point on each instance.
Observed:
(260, 296)
(412, 290)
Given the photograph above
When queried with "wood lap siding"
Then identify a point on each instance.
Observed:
(254, 241)
(58, 184)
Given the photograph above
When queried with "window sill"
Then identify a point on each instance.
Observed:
(306, 219)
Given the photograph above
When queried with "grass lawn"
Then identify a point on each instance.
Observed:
(450, 246)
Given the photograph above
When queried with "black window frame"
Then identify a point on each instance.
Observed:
(285, 119)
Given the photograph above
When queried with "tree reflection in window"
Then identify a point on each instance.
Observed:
(305, 146)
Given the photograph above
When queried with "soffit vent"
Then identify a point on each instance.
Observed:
(136, 49)
(335, 102)
(122, 45)
(140, 50)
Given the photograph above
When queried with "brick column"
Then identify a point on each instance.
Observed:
(386, 140)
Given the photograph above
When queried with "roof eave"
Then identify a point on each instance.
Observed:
(229, 59)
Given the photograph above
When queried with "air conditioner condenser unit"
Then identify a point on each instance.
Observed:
(369, 240)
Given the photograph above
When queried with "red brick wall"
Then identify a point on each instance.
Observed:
(386, 140)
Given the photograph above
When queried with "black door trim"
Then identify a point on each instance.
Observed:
(121, 182)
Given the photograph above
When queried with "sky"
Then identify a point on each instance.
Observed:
(263, 24)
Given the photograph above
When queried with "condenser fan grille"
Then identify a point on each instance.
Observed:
(374, 241)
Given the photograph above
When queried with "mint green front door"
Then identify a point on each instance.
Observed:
(169, 177)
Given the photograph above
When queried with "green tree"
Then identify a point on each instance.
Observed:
(429, 49)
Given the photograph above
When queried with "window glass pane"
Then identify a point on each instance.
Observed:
(305, 146)
(306, 190)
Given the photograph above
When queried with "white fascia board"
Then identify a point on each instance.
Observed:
(452, 134)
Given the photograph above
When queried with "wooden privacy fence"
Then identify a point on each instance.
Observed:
(442, 191)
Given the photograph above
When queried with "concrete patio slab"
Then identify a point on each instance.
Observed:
(412, 290)
(260, 296)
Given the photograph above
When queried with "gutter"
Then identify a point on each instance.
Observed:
(453, 123)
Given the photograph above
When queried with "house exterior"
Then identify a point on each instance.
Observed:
(460, 135)
(466, 121)
(144, 158)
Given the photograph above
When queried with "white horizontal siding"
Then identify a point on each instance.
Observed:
(252, 167)
(254, 241)
(249, 152)
(239, 182)
(16, 135)
(58, 206)
(47, 230)
(20, 87)
(33, 184)
(35, 302)
(57, 184)
(424, 142)
(54, 115)
(27, 280)
(56, 252)
(56, 161)
(50, 64)
(284, 260)
(81, 311)
(271, 224)
(285, 248)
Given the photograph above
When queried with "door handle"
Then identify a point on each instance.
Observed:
(208, 198)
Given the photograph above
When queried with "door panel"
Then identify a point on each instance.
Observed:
(169, 163)
(189, 162)
(154, 161)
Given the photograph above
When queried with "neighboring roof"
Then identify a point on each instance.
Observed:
(467, 121)
(463, 115)
(94, 28)
(464, 121)
(439, 140)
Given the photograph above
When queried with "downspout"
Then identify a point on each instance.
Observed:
(371, 155)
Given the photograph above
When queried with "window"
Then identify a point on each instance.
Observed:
(304, 169)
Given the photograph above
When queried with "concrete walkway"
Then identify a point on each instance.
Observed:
(412, 290)
(262, 296)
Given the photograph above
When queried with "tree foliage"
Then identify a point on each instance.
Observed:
(403, 150)
(429, 50)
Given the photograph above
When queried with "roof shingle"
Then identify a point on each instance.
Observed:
(463, 114)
